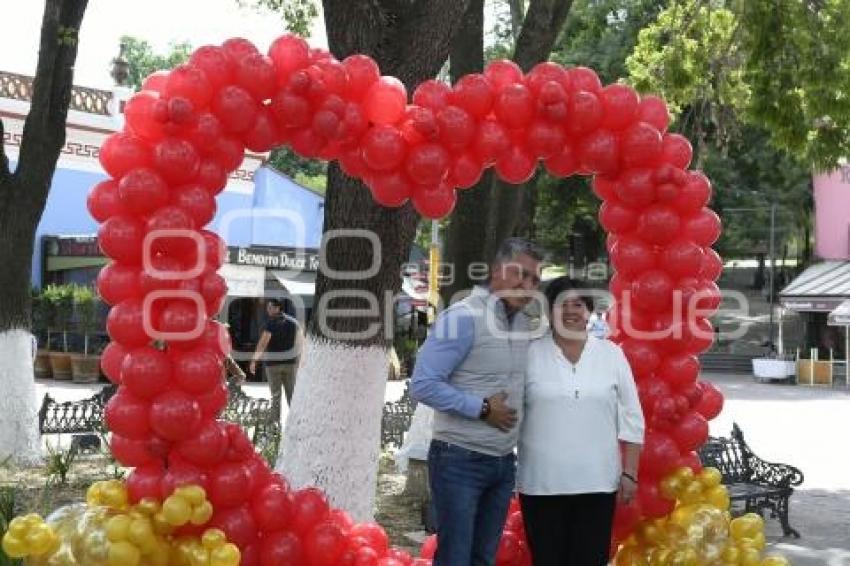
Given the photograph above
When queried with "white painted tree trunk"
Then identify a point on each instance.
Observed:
(19, 438)
(333, 431)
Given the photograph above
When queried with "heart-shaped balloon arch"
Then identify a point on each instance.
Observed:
(199, 494)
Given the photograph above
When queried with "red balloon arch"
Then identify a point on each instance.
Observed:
(188, 129)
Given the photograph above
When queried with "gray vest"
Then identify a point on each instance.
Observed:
(495, 363)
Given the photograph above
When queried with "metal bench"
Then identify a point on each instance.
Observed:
(754, 485)
(396, 419)
(84, 419)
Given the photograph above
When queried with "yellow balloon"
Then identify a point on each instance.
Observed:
(745, 526)
(775, 560)
(670, 487)
(682, 515)
(176, 510)
(710, 477)
(41, 539)
(684, 474)
(14, 547)
(749, 556)
(225, 555)
(213, 538)
(147, 506)
(691, 492)
(202, 513)
(118, 528)
(718, 496)
(730, 554)
(194, 494)
(123, 554)
(651, 533)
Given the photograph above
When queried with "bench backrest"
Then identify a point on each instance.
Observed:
(729, 455)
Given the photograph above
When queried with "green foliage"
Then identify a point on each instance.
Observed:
(8, 511)
(297, 15)
(144, 61)
(85, 306)
(61, 301)
(783, 65)
(311, 173)
(58, 464)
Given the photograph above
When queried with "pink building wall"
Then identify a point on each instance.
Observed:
(832, 214)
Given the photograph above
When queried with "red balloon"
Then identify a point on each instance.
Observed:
(311, 508)
(175, 416)
(429, 547)
(432, 94)
(181, 473)
(659, 455)
(636, 188)
(352, 164)
(694, 195)
(273, 507)
(205, 132)
(600, 152)
(711, 266)
(545, 139)
(155, 81)
(176, 160)
(516, 166)
(620, 103)
(642, 356)
(207, 447)
(474, 94)
(117, 282)
(703, 228)
(127, 415)
(383, 148)
(214, 62)
(391, 189)
(103, 201)
(281, 547)
(342, 519)
(514, 106)
(641, 144)
(658, 224)
(682, 258)
(256, 74)
(631, 256)
(289, 53)
(711, 403)
(466, 171)
(144, 481)
(708, 298)
(212, 176)
(111, 360)
(420, 125)
(690, 432)
(129, 452)
(139, 113)
(173, 219)
(564, 163)
(585, 112)
(434, 202)
(235, 108)
(546, 73)
(457, 128)
(363, 72)
(237, 47)
(124, 324)
(616, 218)
(374, 533)
(239, 526)
(652, 291)
(197, 201)
(291, 110)
(509, 551)
(385, 101)
(503, 73)
(197, 371)
(122, 152)
(324, 544)
(701, 336)
(189, 82)
(677, 151)
(491, 141)
(227, 485)
(146, 372)
(604, 187)
(307, 143)
(653, 504)
(583, 78)
(183, 320)
(427, 163)
(679, 370)
(653, 110)
(142, 191)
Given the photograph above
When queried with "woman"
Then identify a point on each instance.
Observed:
(581, 437)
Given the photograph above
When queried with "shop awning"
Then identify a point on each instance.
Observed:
(840, 316)
(301, 283)
(820, 288)
(244, 280)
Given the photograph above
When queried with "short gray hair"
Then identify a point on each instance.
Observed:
(512, 247)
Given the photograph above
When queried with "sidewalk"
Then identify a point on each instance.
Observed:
(806, 427)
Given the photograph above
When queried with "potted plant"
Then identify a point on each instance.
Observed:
(61, 305)
(40, 316)
(85, 368)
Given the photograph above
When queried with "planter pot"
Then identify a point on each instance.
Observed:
(86, 369)
(60, 364)
(42, 365)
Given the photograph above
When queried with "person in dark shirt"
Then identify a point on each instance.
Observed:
(281, 341)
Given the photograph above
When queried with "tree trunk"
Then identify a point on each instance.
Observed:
(492, 210)
(333, 430)
(23, 195)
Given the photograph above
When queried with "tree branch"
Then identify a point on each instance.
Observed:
(44, 129)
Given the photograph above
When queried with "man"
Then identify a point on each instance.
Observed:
(471, 371)
(282, 338)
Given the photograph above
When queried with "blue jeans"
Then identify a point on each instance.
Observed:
(471, 492)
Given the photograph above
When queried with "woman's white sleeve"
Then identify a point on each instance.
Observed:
(630, 425)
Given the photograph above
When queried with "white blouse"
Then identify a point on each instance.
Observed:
(575, 416)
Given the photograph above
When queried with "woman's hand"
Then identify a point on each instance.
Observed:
(628, 488)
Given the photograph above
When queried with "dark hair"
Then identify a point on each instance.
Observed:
(275, 303)
(560, 285)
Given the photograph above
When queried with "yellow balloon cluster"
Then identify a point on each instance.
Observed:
(109, 531)
(700, 531)
(29, 536)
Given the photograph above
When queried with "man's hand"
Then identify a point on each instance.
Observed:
(252, 367)
(501, 415)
